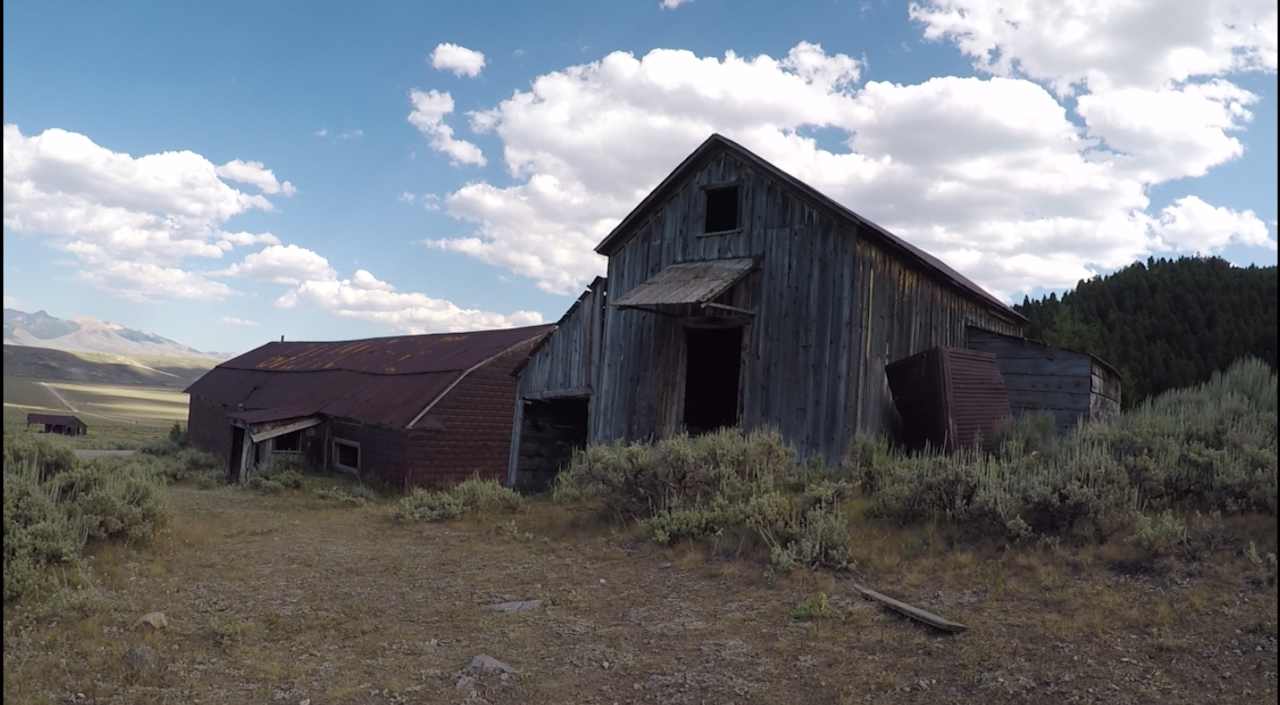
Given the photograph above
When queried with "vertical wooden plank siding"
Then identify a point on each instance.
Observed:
(564, 363)
(832, 307)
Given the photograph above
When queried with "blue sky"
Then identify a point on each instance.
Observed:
(1164, 144)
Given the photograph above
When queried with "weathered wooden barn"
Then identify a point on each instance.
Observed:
(64, 424)
(1073, 386)
(736, 294)
(408, 410)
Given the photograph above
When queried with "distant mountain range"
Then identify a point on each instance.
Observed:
(88, 335)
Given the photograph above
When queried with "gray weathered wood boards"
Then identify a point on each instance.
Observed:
(687, 283)
(561, 367)
(833, 302)
(922, 616)
(1070, 385)
(563, 363)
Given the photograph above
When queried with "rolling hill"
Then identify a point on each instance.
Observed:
(84, 334)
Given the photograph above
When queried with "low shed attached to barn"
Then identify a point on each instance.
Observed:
(408, 410)
(1072, 386)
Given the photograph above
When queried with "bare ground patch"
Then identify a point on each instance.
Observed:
(287, 599)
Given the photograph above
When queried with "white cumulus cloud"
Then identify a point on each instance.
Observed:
(1191, 225)
(992, 174)
(429, 111)
(282, 264)
(255, 174)
(128, 218)
(1106, 44)
(458, 59)
(366, 297)
(241, 322)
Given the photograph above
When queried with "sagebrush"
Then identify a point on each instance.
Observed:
(688, 487)
(53, 509)
(1207, 448)
(471, 495)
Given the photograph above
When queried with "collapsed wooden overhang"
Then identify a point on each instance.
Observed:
(689, 286)
(269, 423)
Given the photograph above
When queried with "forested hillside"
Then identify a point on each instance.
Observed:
(1165, 323)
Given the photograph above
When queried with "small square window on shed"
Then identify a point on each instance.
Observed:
(346, 455)
(722, 209)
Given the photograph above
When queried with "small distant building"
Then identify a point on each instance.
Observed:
(58, 423)
(416, 410)
(1072, 386)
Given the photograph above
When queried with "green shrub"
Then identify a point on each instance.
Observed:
(1159, 534)
(816, 606)
(265, 485)
(429, 505)
(338, 494)
(1209, 448)
(685, 488)
(50, 458)
(1033, 433)
(472, 495)
(49, 518)
(288, 478)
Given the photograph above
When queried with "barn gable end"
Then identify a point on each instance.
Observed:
(783, 314)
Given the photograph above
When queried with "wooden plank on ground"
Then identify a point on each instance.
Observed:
(923, 616)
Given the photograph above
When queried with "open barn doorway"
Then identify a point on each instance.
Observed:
(714, 358)
(551, 429)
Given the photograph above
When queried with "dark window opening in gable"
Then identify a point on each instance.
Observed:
(722, 209)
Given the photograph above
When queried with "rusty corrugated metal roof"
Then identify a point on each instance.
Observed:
(386, 381)
(948, 398)
(394, 355)
(688, 283)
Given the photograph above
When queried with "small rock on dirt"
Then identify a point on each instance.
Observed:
(517, 606)
(488, 664)
(154, 620)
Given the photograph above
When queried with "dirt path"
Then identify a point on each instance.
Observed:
(290, 600)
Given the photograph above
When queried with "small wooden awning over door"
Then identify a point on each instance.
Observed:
(687, 283)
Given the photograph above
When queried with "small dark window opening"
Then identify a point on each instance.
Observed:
(348, 454)
(722, 209)
(289, 442)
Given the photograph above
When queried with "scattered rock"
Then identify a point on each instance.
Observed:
(488, 664)
(154, 620)
(517, 606)
(141, 658)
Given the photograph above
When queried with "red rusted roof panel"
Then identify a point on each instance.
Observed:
(385, 381)
(396, 355)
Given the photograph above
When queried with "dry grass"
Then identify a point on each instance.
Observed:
(288, 597)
